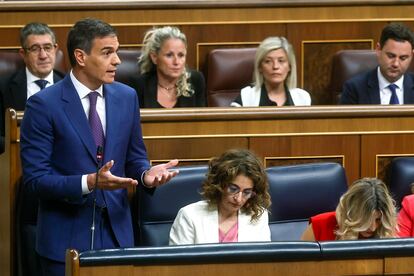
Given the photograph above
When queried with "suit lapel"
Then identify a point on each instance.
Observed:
(244, 221)
(211, 225)
(113, 119)
(57, 76)
(18, 90)
(373, 88)
(408, 89)
(76, 115)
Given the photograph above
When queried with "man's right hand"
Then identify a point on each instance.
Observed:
(108, 181)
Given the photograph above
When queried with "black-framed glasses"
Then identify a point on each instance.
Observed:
(233, 189)
(36, 48)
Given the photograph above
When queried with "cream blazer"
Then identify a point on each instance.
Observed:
(197, 223)
(251, 97)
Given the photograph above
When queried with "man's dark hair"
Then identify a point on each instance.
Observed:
(398, 32)
(35, 28)
(83, 33)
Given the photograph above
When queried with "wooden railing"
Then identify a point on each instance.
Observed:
(375, 257)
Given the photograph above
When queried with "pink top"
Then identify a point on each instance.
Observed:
(231, 235)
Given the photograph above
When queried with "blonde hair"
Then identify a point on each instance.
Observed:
(356, 210)
(268, 45)
(153, 41)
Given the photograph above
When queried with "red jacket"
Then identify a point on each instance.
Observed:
(406, 217)
(324, 226)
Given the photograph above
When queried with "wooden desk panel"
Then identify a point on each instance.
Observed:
(310, 268)
(343, 149)
(377, 151)
(399, 266)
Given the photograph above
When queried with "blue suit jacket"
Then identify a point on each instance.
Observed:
(364, 89)
(57, 148)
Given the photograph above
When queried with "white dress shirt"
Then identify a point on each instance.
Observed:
(32, 87)
(83, 92)
(385, 92)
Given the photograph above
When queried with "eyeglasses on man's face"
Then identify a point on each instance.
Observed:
(36, 48)
(233, 189)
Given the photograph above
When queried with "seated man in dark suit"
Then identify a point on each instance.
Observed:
(389, 83)
(38, 51)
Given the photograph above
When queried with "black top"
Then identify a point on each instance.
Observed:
(264, 98)
(146, 87)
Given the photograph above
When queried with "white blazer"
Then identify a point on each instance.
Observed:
(251, 97)
(197, 223)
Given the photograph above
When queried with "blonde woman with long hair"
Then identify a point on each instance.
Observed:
(164, 79)
(365, 211)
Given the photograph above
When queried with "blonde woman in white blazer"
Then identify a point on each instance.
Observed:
(274, 77)
(235, 206)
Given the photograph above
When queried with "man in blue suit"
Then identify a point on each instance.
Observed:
(63, 128)
(389, 83)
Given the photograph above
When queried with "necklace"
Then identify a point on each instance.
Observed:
(166, 88)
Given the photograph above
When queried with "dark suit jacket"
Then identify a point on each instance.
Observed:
(13, 94)
(364, 89)
(57, 148)
(146, 88)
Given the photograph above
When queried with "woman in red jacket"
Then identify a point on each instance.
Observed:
(365, 211)
(406, 216)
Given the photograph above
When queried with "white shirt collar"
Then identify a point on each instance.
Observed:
(82, 90)
(383, 82)
(32, 78)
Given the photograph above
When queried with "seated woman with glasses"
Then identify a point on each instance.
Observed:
(235, 206)
(365, 211)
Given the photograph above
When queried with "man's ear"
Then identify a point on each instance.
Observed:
(378, 49)
(22, 53)
(80, 57)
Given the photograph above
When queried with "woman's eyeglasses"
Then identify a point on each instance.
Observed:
(233, 189)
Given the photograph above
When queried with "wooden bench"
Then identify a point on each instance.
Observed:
(10, 173)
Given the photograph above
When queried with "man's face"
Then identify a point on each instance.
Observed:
(99, 66)
(39, 54)
(394, 58)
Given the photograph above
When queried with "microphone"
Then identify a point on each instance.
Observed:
(99, 157)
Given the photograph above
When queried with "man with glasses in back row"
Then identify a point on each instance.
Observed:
(38, 50)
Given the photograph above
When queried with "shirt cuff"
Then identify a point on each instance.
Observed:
(84, 181)
(142, 180)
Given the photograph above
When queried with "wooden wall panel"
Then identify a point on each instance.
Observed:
(304, 149)
(316, 66)
(190, 150)
(378, 151)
